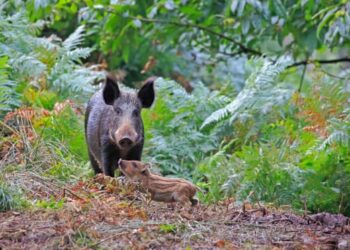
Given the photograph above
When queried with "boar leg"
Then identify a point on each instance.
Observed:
(109, 160)
(135, 153)
(94, 163)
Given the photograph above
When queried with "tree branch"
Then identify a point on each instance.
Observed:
(305, 62)
(241, 46)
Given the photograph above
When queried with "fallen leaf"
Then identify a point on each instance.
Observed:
(219, 244)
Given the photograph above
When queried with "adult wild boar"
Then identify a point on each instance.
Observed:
(113, 125)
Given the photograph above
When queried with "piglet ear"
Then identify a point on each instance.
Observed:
(111, 90)
(145, 169)
(146, 172)
(146, 93)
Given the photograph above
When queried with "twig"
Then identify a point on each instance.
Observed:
(56, 186)
(8, 127)
(237, 216)
(246, 201)
(108, 238)
(341, 203)
(280, 220)
(305, 207)
(335, 76)
(260, 209)
(72, 193)
(302, 79)
(313, 61)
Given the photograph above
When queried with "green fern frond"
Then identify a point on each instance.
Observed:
(338, 137)
(340, 134)
(8, 96)
(260, 93)
(182, 114)
(77, 54)
(75, 39)
(55, 62)
(27, 65)
(41, 3)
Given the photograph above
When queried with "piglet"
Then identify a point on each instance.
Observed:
(161, 188)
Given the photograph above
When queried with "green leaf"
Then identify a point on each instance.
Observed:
(325, 21)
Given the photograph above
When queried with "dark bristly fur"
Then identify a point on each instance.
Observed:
(113, 125)
(161, 188)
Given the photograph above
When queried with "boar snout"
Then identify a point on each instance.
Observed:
(126, 137)
(125, 142)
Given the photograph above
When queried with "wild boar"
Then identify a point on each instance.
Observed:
(161, 188)
(113, 125)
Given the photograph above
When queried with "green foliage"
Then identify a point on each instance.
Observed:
(41, 99)
(211, 174)
(260, 94)
(9, 197)
(82, 239)
(65, 128)
(8, 96)
(187, 36)
(168, 228)
(179, 113)
(339, 133)
(41, 64)
(50, 204)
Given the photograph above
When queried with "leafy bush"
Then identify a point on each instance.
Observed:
(261, 93)
(174, 139)
(32, 64)
(8, 96)
(65, 128)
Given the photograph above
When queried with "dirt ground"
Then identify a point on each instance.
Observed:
(105, 213)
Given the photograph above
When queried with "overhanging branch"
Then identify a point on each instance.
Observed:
(242, 47)
(310, 61)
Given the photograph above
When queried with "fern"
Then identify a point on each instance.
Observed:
(340, 134)
(175, 142)
(75, 39)
(8, 96)
(260, 94)
(45, 62)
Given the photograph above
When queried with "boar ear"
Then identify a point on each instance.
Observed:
(146, 93)
(110, 90)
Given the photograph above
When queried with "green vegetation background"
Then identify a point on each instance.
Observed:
(267, 111)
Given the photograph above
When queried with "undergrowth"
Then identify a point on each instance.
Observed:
(267, 142)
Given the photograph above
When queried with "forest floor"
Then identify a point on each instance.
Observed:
(106, 213)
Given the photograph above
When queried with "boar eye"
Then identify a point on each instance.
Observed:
(136, 113)
(118, 111)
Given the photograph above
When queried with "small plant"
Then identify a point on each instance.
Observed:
(82, 239)
(50, 204)
(9, 198)
(172, 228)
(168, 228)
